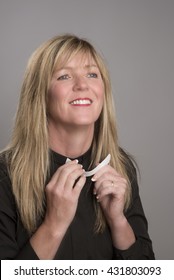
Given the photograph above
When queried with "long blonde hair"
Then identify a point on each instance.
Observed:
(28, 152)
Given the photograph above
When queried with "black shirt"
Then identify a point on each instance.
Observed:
(80, 240)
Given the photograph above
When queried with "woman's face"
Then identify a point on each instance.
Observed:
(76, 93)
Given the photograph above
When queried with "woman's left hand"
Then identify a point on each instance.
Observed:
(110, 189)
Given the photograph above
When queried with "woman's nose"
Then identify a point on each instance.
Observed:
(80, 83)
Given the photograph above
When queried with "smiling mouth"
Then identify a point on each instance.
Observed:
(81, 102)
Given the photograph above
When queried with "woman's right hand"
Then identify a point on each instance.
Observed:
(62, 193)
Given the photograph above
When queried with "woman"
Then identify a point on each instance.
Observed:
(49, 209)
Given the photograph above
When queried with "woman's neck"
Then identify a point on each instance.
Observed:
(72, 142)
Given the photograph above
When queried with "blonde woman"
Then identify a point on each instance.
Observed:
(49, 208)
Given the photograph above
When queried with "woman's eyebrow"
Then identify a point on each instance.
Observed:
(71, 67)
(91, 66)
(64, 68)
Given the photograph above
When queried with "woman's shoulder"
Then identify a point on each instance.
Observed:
(7, 200)
(3, 166)
(130, 164)
(5, 181)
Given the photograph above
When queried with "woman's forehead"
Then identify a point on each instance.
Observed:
(81, 58)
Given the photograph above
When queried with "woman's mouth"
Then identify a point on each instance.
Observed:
(81, 102)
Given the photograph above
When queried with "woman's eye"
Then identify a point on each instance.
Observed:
(92, 75)
(64, 77)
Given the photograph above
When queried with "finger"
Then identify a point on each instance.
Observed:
(118, 193)
(115, 183)
(62, 172)
(108, 177)
(79, 185)
(73, 177)
(106, 169)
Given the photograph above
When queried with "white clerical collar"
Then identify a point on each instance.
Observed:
(98, 167)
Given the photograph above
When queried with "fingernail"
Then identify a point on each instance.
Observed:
(76, 160)
(93, 179)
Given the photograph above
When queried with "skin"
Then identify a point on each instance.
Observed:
(71, 129)
(110, 189)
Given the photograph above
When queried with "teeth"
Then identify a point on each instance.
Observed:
(86, 101)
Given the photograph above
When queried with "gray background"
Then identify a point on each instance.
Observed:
(137, 40)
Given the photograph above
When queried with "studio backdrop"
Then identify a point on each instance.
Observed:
(136, 38)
